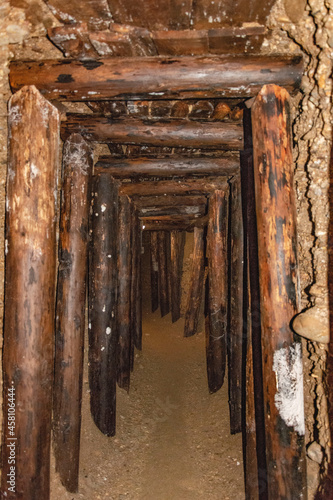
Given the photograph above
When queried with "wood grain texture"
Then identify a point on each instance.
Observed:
(150, 78)
(103, 274)
(70, 310)
(73, 41)
(216, 320)
(196, 288)
(28, 352)
(177, 244)
(163, 269)
(282, 357)
(169, 187)
(94, 12)
(174, 133)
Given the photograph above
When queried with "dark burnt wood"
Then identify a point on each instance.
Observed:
(150, 78)
(30, 294)
(170, 167)
(216, 321)
(172, 133)
(163, 264)
(177, 244)
(102, 330)
(154, 271)
(175, 224)
(196, 287)
(70, 311)
(282, 357)
(235, 330)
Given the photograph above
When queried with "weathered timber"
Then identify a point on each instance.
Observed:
(216, 320)
(173, 133)
(144, 13)
(73, 41)
(112, 108)
(201, 110)
(170, 187)
(181, 43)
(30, 294)
(221, 111)
(136, 330)
(282, 356)
(154, 271)
(236, 40)
(124, 293)
(156, 202)
(102, 303)
(121, 41)
(235, 329)
(163, 287)
(70, 310)
(170, 167)
(95, 12)
(196, 287)
(177, 244)
(157, 212)
(150, 78)
(179, 224)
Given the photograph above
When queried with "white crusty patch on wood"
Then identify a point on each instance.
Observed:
(76, 154)
(289, 399)
(14, 114)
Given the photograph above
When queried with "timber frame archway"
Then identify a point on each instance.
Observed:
(262, 197)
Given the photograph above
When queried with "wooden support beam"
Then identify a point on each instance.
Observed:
(172, 133)
(216, 321)
(154, 271)
(161, 201)
(169, 187)
(124, 293)
(70, 311)
(196, 288)
(150, 78)
(163, 287)
(168, 167)
(235, 330)
(170, 211)
(103, 337)
(30, 295)
(180, 224)
(177, 244)
(282, 356)
(136, 328)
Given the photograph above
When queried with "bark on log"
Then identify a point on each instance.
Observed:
(172, 133)
(154, 271)
(196, 287)
(150, 78)
(168, 167)
(282, 357)
(30, 295)
(177, 244)
(70, 311)
(103, 335)
(124, 294)
(169, 187)
(163, 286)
(235, 333)
(216, 321)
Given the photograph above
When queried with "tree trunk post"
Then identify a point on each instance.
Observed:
(163, 285)
(70, 311)
(177, 244)
(28, 353)
(154, 271)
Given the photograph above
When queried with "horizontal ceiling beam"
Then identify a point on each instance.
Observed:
(172, 211)
(180, 224)
(170, 187)
(167, 167)
(156, 77)
(162, 201)
(174, 133)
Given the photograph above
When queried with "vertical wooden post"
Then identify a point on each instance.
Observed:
(136, 284)
(103, 336)
(216, 321)
(154, 271)
(177, 244)
(277, 246)
(124, 293)
(163, 285)
(196, 284)
(70, 315)
(30, 295)
(235, 330)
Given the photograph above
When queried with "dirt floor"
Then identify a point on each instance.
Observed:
(173, 440)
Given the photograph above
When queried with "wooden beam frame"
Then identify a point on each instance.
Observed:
(156, 77)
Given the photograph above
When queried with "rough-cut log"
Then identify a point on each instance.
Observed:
(73, 41)
(154, 271)
(121, 41)
(236, 40)
(150, 78)
(196, 287)
(201, 110)
(136, 330)
(70, 312)
(181, 43)
(168, 167)
(156, 202)
(30, 296)
(159, 212)
(163, 287)
(235, 333)
(181, 224)
(222, 110)
(177, 244)
(95, 12)
(190, 186)
(216, 321)
(282, 356)
(102, 304)
(180, 109)
(124, 293)
(173, 133)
